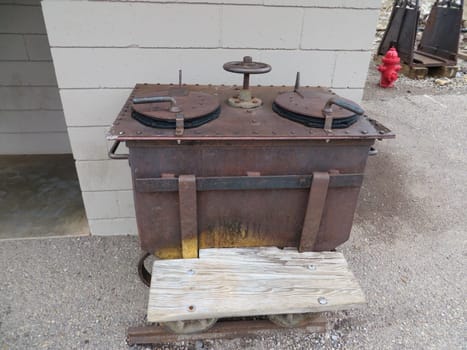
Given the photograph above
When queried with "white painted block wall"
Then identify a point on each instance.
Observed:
(31, 115)
(102, 48)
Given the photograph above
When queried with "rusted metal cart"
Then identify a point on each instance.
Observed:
(224, 175)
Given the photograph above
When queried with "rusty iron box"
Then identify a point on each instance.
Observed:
(247, 178)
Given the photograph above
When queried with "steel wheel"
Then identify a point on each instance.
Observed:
(190, 326)
(292, 320)
(144, 274)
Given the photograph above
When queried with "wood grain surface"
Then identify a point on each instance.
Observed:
(250, 281)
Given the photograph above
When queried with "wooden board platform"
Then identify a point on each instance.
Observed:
(424, 72)
(250, 281)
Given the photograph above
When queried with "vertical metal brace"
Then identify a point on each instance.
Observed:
(327, 110)
(188, 215)
(328, 123)
(314, 211)
(179, 124)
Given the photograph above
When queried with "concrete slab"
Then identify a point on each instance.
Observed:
(40, 196)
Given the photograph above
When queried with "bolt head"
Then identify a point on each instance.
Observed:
(322, 300)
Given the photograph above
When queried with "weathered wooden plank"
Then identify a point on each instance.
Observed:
(250, 281)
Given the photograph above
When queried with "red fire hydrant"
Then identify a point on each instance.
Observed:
(389, 68)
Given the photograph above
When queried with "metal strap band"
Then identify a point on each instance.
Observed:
(314, 211)
(232, 183)
(188, 215)
(179, 124)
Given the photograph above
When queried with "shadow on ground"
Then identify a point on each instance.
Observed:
(40, 196)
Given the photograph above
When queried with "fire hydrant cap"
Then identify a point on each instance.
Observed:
(391, 57)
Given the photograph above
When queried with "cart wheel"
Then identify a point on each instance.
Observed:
(292, 320)
(144, 274)
(190, 326)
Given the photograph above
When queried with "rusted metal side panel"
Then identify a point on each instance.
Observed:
(236, 159)
(243, 218)
(251, 218)
(336, 222)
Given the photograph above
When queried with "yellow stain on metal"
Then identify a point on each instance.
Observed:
(190, 248)
(232, 236)
(169, 253)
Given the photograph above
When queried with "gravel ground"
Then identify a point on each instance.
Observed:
(407, 249)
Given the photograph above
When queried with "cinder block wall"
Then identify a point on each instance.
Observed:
(31, 115)
(102, 48)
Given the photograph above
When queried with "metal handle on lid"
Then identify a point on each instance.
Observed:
(338, 101)
(346, 104)
(158, 99)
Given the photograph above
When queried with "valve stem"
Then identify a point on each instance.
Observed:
(297, 85)
(297, 82)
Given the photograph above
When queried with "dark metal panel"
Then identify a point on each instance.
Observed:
(336, 222)
(232, 159)
(251, 218)
(401, 30)
(441, 35)
(244, 216)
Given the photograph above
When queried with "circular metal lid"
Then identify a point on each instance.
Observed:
(309, 102)
(192, 105)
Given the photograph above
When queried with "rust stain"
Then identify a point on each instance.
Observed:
(169, 253)
(190, 248)
(233, 234)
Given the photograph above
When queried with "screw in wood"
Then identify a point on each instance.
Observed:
(322, 300)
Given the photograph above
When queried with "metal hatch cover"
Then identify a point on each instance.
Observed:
(313, 106)
(161, 109)
(310, 102)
